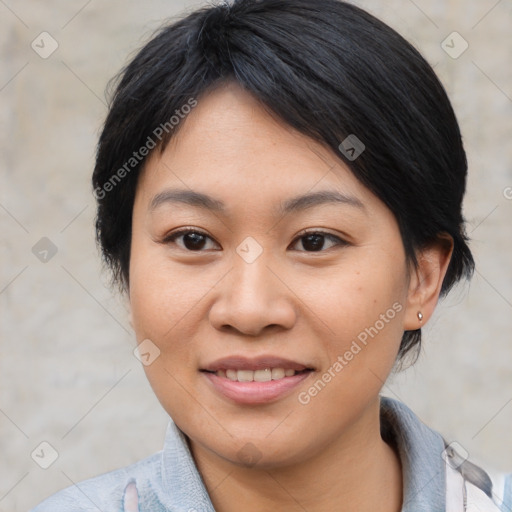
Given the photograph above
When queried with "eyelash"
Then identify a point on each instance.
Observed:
(176, 234)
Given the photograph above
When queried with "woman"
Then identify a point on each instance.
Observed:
(279, 189)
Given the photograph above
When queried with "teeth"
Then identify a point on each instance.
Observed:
(230, 374)
(264, 375)
(278, 373)
(245, 375)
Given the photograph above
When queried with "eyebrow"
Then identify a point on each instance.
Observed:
(295, 204)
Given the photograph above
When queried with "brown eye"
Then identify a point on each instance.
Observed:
(315, 241)
(192, 240)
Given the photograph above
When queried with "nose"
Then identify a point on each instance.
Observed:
(252, 299)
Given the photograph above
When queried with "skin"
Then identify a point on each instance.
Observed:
(292, 301)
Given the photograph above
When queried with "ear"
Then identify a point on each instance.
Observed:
(426, 280)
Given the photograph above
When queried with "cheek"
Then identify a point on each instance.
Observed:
(361, 314)
(365, 329)
(160, 294)
(347, 303)
(161, 307)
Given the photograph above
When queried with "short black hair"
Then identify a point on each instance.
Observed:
(326, 68)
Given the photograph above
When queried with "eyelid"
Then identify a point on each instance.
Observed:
(183, 231)
(170, 237)
(340, 242)
(315, 231)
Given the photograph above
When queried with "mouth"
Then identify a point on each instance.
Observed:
(255, 381)
(264, 375)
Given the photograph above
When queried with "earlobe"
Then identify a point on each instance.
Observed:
(426, 280)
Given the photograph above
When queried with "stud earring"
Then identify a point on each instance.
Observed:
(420, 316)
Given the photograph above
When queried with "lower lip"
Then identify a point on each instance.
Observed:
(255, 392)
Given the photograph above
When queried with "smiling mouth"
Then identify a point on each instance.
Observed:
(260, 375)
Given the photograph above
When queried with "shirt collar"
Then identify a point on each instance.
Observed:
(420, 450)
(182, 483)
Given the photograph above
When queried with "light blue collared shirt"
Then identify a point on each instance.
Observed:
(169, 480)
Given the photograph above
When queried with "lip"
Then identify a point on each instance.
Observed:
(255, 363)
(253, 393)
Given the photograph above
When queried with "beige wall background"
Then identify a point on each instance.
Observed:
(67, 373)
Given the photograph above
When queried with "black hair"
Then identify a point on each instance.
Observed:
(328, 69)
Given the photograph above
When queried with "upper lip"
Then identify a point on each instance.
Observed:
(254, 363)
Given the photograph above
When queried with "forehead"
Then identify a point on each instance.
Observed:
(231, 146)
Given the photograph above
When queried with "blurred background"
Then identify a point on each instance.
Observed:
(68, 376)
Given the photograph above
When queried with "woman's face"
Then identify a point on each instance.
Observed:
(247, 289)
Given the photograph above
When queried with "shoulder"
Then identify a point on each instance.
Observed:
(116, 490)
(438, 475)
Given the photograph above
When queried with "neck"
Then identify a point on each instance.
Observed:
(357, 471)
